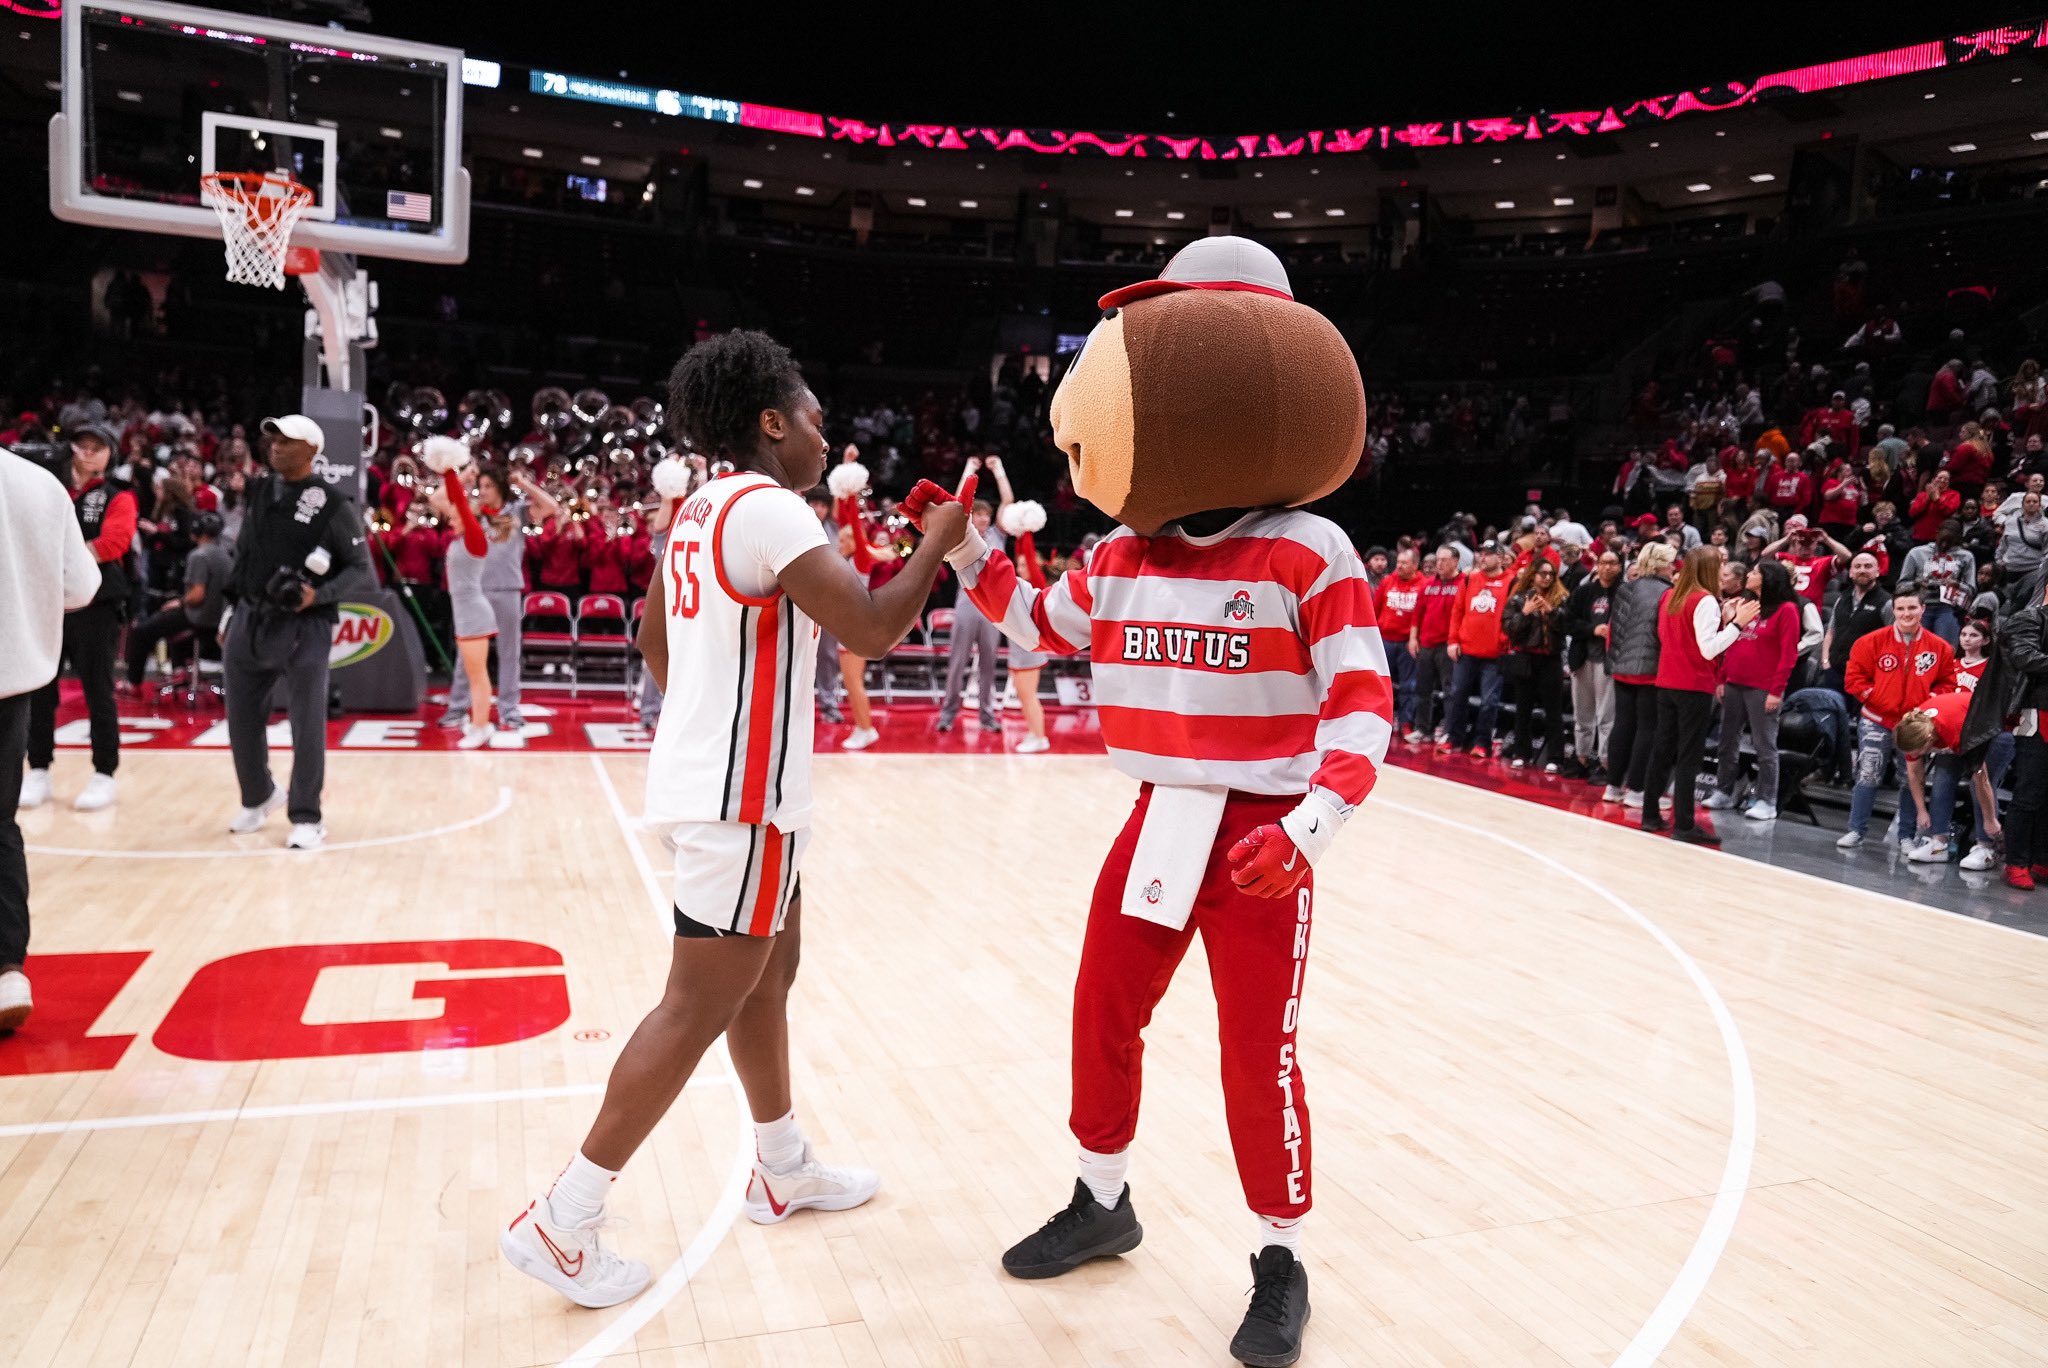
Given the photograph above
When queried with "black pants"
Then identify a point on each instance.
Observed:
(89, 637)
(1635, 732)
(1542, 687)
(13, 864)
(169, 625)
(260, 651)
(2026, 817)
(1682, 718)
(1432, 676)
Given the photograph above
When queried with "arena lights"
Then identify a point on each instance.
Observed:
(1503, 204)
(589, 160)
(1762, 178)
(1283, 213)
(751, 184)
(1563, 201)
(1333, 213)
(915, 201)
(1699, 187)
(1176, 215)
(530, 152)
(2039, 136)
(805, 190)
(1962, 147)
(1121, 213)
(970, 204)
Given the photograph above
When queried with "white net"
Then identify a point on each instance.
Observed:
(257, 215)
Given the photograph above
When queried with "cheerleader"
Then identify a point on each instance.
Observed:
(848, 483)
(1019, 520)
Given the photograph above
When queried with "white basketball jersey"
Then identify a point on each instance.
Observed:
(734, 740)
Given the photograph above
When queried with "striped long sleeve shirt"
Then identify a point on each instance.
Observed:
(1249, 659)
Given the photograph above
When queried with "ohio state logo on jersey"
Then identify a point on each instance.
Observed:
(1239, 608)
(1484, 601)
(1154, 891)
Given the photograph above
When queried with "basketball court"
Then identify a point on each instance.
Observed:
(1582, 1097)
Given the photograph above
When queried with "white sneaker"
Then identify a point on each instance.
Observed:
(1928, 850)
(1613, 793)
(1981, 856)
(98, 793)
(860, 738)
(570, 1259)
(15, 1002)
(1633, 798)
(1412, 737)
(1760, 811)
(1849, 840)
(1718, 801)
(474, 737)
(505, 738)
(306, 836)
(253, 818)
(1032, 745)
(35, 789)
(772, 1196)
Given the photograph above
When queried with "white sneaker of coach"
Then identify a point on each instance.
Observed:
(253, 818)
(98, 793)
(35, 789)
(15, 1001)
(570, 1259)
(306, 836)
(772, 1196)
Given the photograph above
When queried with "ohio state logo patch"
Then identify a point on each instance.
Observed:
(1239, 608)
(1154, 891)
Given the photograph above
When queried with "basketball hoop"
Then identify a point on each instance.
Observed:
(257, 214)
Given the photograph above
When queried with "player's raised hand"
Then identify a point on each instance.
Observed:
(925, 496)
(1267, 863)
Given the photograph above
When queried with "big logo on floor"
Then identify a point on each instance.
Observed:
(254, 1005)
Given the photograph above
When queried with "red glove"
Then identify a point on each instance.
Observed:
(924, 494)
(1267, 863)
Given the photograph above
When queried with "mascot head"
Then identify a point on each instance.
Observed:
(1209, 388)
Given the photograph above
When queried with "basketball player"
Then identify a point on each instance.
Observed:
(738, 597)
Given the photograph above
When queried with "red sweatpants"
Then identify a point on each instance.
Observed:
(1258, 952)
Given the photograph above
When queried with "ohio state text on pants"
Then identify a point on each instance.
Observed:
(1258, 955)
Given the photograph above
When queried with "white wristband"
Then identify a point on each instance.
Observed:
(1312, 826)
(969, 552)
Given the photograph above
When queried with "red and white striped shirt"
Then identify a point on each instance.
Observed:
(1249, 659)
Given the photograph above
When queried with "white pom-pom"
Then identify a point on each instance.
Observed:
(847, 480)
(443, 454)
(671, 477)
(1025, 515)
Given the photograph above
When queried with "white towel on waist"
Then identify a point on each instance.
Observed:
(1173, 851)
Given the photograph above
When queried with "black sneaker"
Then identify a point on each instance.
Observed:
(1698, 836)
(1597, 775)
(1573, 768)
(1082, 1230)
(1270, 1334)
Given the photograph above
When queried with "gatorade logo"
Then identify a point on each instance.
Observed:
(359, 633)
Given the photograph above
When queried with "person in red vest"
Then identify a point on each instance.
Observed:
(1399, 603)
(1889, 673)
(1693, 628)
(1429, 639)
(1477, 645)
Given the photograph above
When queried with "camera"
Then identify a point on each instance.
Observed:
(286, 589)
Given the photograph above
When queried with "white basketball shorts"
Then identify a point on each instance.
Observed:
(733, 879)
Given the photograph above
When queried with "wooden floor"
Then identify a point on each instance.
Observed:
(1532, 1130)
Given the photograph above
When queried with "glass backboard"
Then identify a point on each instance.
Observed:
(156, 95)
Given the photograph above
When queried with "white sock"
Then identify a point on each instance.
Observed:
(1286, 1234)
(578, 1194)
(780, 1142)
(1104, 1175)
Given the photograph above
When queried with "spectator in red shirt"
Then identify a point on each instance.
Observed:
(560, 549)
(1740, 474)
(1787, 487)
(1399, 604)
(1945, 394)
(1933, 506)
(1969, 462)
(1754, 673)
(1837, 425)
(1810, 566)
(1477, 645)
(1429, 638)
(612, 555)
(1842, 497)
(1891, 672)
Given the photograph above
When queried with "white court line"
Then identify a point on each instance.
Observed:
(1707, 1247)
(498, 809)
(367, 1104)
(677, 1275)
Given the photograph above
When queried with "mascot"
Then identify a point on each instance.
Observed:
(1240, 679)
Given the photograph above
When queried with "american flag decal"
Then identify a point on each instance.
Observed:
(404, 204)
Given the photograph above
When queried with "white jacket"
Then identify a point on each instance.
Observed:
(46, 570)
